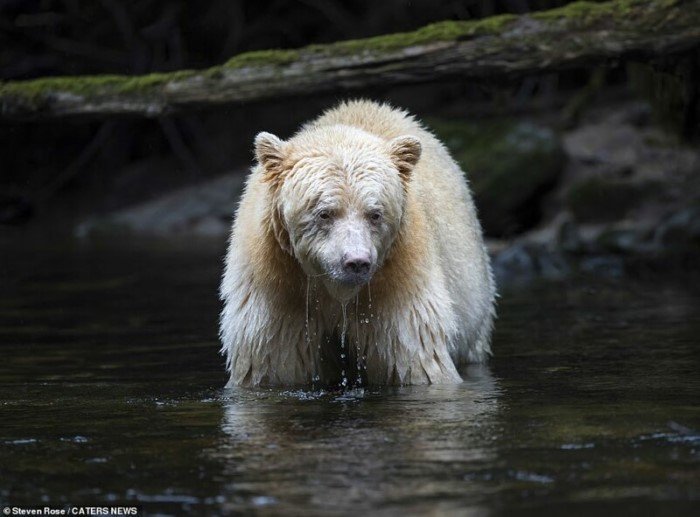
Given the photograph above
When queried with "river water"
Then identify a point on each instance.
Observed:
(111, 394)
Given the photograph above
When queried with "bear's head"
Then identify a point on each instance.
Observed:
(338, 198)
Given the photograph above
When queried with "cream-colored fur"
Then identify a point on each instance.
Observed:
(429, 305)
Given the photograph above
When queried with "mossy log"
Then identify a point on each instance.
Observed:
(579, 34)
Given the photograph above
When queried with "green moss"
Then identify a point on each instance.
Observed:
(35, 92)
(586, 11)
(261, 58)
(510, 165)
(435, 32)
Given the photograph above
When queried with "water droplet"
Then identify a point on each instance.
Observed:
(344, 327)
(308, 287)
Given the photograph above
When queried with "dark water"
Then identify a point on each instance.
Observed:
(111, 393)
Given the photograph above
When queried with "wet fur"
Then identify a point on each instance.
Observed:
(430, 304)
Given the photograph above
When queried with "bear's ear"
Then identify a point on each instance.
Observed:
(405, 152)
(269, 151)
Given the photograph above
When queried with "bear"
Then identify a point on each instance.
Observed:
(356, 258)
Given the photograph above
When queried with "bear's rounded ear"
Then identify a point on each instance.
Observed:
(269, 151)
(405, 152)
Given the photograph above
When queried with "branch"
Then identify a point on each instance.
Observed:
(580, 34)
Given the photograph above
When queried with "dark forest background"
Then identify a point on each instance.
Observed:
(40, 38)
(595, 161)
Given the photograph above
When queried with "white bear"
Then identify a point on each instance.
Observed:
(356, 256)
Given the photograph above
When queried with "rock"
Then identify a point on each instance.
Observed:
(204, 210)
(510, 165)
(604, 265)
(514, 264)
(598, 144)
(621, 168)
(620, 240)
(525, 260)
(569, 238)
(680, 232)
(552, 264)
(601, 199)
(627, 203)
(635, 113)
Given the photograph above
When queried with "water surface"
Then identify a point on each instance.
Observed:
(111, 393)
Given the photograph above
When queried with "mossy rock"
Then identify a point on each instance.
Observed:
(598, 199)
(510, 165)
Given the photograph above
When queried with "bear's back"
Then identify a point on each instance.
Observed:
(378, 119)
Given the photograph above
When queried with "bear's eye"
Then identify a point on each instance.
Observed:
(375, 216)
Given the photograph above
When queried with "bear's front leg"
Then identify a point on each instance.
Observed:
(267, 345)
(409, 343)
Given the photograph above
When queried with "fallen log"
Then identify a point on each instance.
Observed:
(579, 34)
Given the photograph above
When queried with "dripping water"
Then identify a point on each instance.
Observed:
(343, 333)
(315, 375)
(318, 341)
(308, 287)
(358, 360)
(369, 304)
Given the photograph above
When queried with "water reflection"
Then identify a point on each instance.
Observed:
(398, 447)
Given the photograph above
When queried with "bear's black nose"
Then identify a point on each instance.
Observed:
(356, 265)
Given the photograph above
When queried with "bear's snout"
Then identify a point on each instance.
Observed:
(357, 267)
(357, 264)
